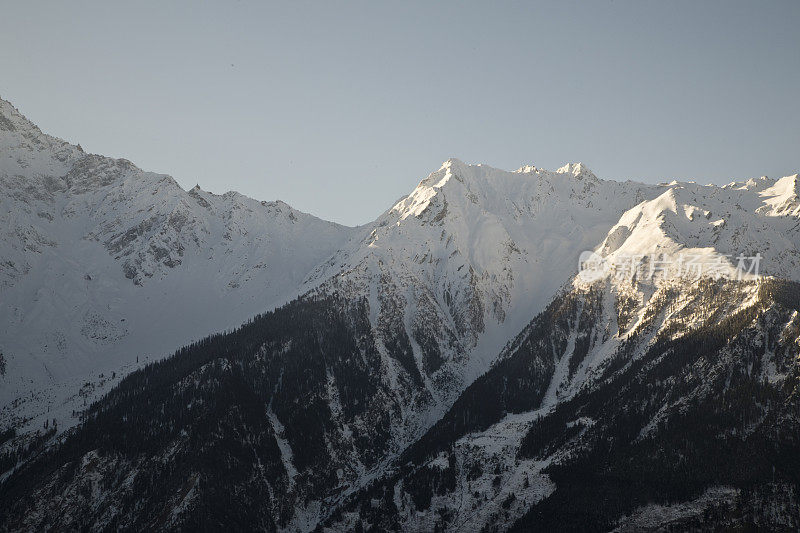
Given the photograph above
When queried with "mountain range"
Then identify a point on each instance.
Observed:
(178, 359)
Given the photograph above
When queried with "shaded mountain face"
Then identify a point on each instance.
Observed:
(619, 405)
(104, 265)
(616, 410)
(168, 435)
(441, 367)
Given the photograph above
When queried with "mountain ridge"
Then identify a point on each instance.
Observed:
(455, 320)
(92, 245)
(489, 269)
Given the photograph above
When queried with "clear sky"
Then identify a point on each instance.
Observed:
(339, 108)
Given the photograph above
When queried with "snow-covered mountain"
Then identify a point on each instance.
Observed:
(622, 369)
(717, 223)
(640, 407)
(460, 265)
(446, 366)
(104, 265)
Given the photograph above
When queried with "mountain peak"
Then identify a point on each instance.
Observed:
(453, 162)
(782, 198)
(11, 120)
(526, 169)
(453, 166)
(35, 152)
(579, 170)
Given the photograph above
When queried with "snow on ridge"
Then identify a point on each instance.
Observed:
(26, 151)
(721, 230)
(782, 197)
(97, 253)
(469, 257)
(579, 170)
(502, 243)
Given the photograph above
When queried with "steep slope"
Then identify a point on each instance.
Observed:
(105, 265)
(458, 267)
(713, 225)
(156, 452)
(668, 408)
(274, 425)
(629, 359)
(397, 391)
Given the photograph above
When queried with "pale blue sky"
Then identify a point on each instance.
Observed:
(339, 108)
